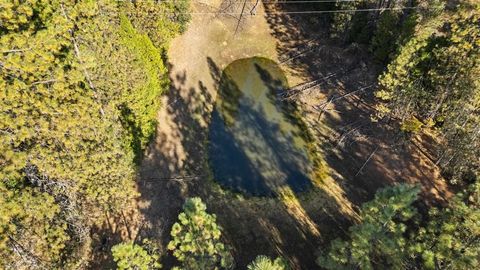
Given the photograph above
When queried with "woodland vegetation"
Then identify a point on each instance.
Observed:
(80, 84)
(79, 88)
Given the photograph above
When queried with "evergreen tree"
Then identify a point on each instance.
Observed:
(79, 91)
(159, 20)
(31, 232)
(384, 39)
(451, 238)
(374, 23)
(434, 79)
(341, 22)
(377, 242)
(140, 105)
(196, 239)
(130, 256)
(265, 263)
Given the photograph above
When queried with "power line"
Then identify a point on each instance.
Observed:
(306, 2)
(248, 1)
(291, 12)
(303, 2)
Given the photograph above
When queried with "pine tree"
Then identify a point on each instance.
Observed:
(31, 232)
(196, 239)
(377, 242)
(140, 105)
(265, 263)
(384, 39)
(130, 256)
(79, 91)
(341, 22)
(159, 20)
(373, 23)
(434, 79)
(451, 238)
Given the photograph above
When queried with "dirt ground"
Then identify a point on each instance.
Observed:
(295, 226)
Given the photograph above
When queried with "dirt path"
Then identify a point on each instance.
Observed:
(175, 164)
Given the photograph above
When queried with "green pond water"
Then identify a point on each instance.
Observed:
(257, 144)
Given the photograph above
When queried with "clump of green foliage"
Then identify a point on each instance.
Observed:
(382, 25)
(130, 256)
(161, 21)
(265, 263)
(377, 241)
(342, 21)
(391, 235)
(383, 43)
(196, 239)
(70, 73)
(451, 238)
(434, 78)
(140, 105)
(411, 125)
(146, 29)
(24, 215)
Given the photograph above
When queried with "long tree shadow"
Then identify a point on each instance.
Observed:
(255, 143)
(363, 155)
(176, 166)
(173, 161)
(283, 225)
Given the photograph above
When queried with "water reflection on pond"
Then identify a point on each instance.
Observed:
(256, 142)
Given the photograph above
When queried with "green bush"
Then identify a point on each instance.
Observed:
(141, 104)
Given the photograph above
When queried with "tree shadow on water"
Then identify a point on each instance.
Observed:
(289, 109)
(257, 157)
(251, 146)
(175, 166)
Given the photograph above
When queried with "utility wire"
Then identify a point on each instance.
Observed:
(291, 12)
(248, 1)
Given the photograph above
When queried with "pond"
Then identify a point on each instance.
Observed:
(257, 143)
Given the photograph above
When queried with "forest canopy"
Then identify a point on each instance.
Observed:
(80, 84)
(80, 88)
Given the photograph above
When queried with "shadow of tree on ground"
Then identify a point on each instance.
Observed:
(176, 166)
(363, 155)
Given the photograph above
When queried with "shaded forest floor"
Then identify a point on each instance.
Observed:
(175, 165)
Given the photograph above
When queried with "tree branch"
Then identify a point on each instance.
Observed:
(77, 54)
